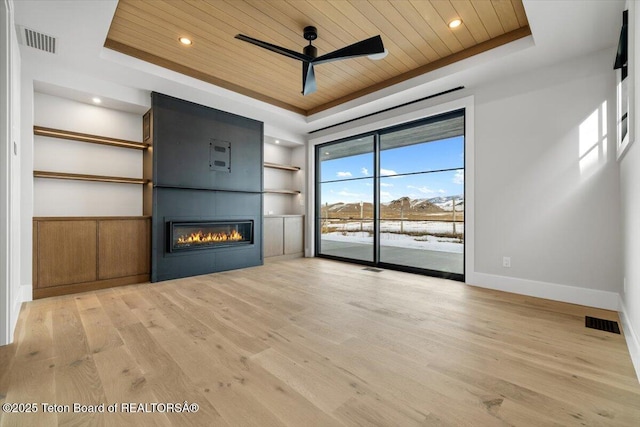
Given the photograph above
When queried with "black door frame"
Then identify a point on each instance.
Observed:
(376, 198)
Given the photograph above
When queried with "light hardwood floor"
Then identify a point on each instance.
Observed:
(312, 342)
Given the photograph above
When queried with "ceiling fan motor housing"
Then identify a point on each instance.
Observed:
(310, 50)
(310, 33)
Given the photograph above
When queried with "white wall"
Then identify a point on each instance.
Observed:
(11, 293)
(26, 183)
(546, 188)
(630, 196)
(546, 183)
(630, 218)
(5, 138)
(18, 293)
(299, 158)
(77, 198)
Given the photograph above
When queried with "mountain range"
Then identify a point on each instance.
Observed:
(405, 205)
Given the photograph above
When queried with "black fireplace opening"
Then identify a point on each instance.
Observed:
(189, 236)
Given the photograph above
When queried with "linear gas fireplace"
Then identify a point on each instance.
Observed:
(206, 217)
(188, 236)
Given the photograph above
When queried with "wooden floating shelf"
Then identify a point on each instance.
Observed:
(282, 167)
(83, 137)
(82, 177)
(282, 191)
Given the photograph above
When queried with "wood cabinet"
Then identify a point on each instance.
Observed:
(77, 254)
(68, 251)
(123, 248)
(293, 234)
(283, 236)
(273, 236)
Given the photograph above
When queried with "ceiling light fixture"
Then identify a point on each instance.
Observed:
(455, 23)
(96, 100)
(185, 41)
(277, 141)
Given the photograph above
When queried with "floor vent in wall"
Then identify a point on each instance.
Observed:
(37, 40)
(375, 270)
(601, 324)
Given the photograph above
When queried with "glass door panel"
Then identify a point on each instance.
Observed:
(346, 199)
(422, 196)
(418, 227)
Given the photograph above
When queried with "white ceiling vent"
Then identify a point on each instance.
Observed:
(37, 40)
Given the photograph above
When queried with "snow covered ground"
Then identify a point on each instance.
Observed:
(430, 243)
(427, 227)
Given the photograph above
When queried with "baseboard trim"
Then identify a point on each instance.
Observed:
(283, 257)
(553, 291)
(633, 342)
(54, 291)
(23, 295)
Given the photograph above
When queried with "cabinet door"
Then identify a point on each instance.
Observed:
(123, 248)
(273, 241)
(293, 235)
(66, 252)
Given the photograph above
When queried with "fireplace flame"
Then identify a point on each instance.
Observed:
(200, 237)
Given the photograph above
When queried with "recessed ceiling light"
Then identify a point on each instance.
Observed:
(379, 56)
(326, 153)
(277, 141)
(96, 100)
(185, 41)
(455, 23)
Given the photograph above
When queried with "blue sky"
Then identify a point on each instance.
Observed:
(436, 155)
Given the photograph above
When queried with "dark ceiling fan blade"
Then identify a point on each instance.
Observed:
(308, 79)
(272, 47)
(362, 48)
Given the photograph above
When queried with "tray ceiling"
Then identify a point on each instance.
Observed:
(415, 32)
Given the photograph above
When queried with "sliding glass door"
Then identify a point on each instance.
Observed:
(346, 199)
(422, 198)
(396, 198)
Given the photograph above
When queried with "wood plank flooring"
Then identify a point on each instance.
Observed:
(312, 342)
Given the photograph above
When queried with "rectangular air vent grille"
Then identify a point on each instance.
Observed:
(220, 156)
(37, 40)
(601, 324)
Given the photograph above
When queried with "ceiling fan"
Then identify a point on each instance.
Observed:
(309, 55)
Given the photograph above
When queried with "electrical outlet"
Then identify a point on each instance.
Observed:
(506, 262)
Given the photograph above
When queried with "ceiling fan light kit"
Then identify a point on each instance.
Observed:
(370, 47)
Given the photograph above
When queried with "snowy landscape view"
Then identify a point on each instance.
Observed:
(435, 224)
(419, 188)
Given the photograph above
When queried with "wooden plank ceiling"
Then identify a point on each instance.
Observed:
(415, 32)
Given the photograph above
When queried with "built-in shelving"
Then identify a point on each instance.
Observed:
(93, 139)
(84, 177)
(282, 167)
(83, 137)
(279, 166)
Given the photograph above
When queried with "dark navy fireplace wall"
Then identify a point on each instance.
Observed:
(180, 205)
(207, 166)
